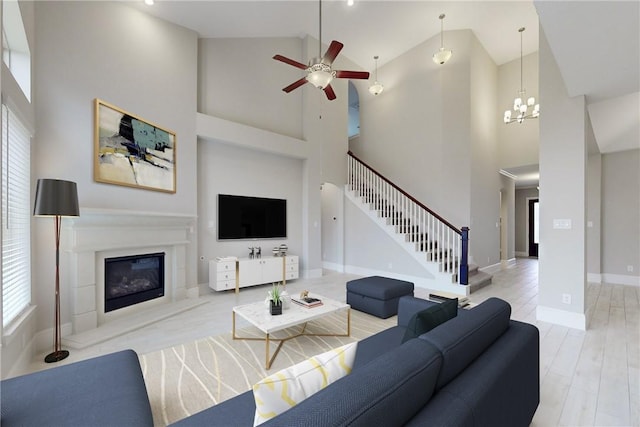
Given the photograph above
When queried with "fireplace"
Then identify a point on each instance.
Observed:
(130, 280)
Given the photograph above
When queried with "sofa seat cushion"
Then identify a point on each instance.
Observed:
(103, 391)
(237, 411)
(462, 339)
(427, 319)
(389, 390)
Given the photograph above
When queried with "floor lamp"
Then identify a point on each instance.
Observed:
(56, 198)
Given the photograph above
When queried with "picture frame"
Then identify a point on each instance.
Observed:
(132, 151)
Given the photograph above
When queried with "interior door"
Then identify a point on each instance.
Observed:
(534, 230)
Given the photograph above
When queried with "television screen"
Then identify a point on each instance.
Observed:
(241, 217)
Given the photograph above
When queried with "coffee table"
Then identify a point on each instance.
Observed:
(295, 315)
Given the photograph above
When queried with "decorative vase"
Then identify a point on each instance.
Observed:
(285, 299)
(275, 309)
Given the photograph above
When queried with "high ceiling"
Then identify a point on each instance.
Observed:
(596, 43)
(368, 28)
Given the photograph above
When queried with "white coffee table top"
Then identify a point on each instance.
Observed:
(258, 315)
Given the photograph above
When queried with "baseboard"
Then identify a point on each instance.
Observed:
(594, 277)
(620, 279)
(333, 266)
(506, 263)
(522, 254)
(562, 317)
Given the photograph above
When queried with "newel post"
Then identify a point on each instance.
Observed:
(464, 265)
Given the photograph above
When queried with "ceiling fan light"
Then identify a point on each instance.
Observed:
(376, 88)
(319, 78)
(442, 56)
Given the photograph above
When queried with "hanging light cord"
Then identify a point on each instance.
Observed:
(442, 31)
(376, 75)
(320, 26)
(521, 30)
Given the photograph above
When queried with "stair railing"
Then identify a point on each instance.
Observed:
(442, 242)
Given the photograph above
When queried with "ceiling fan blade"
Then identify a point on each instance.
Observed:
(331, 95)
(341, 74)
(334, 49)
(295, 85)
(290, 62)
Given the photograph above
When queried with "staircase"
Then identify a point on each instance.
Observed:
(433, 242)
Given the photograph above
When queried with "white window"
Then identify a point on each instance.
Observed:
(15, 46)
(16, 217)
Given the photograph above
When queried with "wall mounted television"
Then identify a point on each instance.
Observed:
(241, 217)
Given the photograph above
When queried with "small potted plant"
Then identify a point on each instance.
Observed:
(275, 298)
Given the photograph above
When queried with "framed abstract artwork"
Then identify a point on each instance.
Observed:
(131, 151)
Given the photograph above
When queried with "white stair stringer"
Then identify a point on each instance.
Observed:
(441, 281)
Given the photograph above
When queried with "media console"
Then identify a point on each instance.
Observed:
(225, 275)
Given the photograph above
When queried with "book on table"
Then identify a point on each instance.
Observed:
(307, 301)
(462, 301)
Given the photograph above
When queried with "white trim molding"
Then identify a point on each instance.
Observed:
(594, 277)
(620, 279)
(561, 317)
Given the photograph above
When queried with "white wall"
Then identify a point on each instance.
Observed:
(485, 183)
(107, 50)
(376, 252)
(563, 153)
(508, 218)
(621, 216)
(594, 216)
(433, 133)
(229, 169)
(333, 221)
(238, 80)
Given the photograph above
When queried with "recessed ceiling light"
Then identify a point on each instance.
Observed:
(350, 2)
(149, 2)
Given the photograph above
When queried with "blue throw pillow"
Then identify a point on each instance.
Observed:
(427, 319)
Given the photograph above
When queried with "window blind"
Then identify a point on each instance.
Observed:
(16, 217)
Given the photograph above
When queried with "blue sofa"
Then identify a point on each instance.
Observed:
(478, 369)
(103, 391)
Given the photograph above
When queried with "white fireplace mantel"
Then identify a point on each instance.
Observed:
(100, 233)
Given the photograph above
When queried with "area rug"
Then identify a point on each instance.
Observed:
(187, 378)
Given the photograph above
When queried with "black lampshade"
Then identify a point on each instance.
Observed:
(56, 197)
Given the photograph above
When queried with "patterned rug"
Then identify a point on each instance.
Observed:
(188, 378)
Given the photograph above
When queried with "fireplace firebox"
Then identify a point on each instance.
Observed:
(130, 280)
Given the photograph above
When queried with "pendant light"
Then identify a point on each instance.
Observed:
(443, 55)
(519, 105)
(376, 88)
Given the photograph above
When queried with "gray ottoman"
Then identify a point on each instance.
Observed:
(377, 295)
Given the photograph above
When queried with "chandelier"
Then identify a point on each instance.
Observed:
(442, 55)
(520, 105)
(376, 88)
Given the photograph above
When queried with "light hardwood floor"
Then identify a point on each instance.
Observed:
(587, 378)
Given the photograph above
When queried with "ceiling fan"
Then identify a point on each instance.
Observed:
(319, 71)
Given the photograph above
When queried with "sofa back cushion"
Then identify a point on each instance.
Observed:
(462, 339)
(427, 319)
(389, 390)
